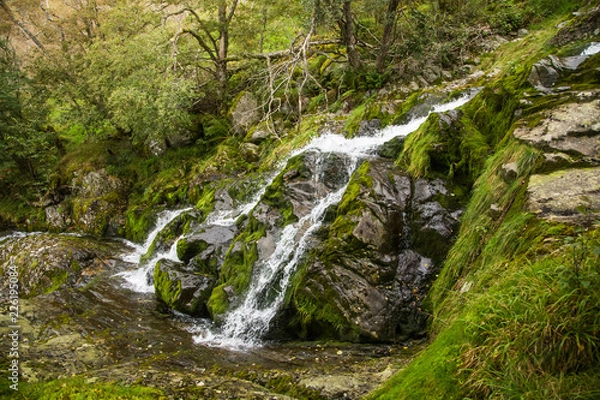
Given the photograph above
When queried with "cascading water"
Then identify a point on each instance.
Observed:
(138, 279)
(245, 325)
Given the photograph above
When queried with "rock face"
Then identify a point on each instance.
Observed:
(366, 280)
(305, 180)
(96, 206)
(47, 262)
(244, 113)
(569, 135)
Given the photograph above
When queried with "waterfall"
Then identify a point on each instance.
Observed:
(246, 324)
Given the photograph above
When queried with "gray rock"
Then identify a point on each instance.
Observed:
(546, 72)
(250, 152)
(245, 113)
(260, 135)
(96, 184)
(205, 251)
(510, 172)
(157, 147)
(57, 217)
(495, 212)
(573, 128)
(571, 196)
(375, 276)
(181, 139)
(369, 128)
(48, 262)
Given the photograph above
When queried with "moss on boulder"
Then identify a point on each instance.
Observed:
(181, 288)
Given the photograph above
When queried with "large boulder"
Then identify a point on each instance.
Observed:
(293, 194)
(245, 112)
(366, 280)
(96, 206)
(546, 73)
(572, 128)
(206, 249)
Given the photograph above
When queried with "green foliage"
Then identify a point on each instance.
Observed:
(27, 148)
(431, 375)
(451, 149)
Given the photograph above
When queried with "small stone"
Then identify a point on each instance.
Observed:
(523, 32)
(495, 211)
(510, 172)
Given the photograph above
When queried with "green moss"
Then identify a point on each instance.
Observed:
(78, 388)
(138, 222)
(454, 150)
(360, 181)
(186, 250)
(275, 195)
(237, 268)
(433, 373)
(218, 303)
(166, 290)
(317, 318)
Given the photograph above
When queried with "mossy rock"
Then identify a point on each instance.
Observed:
(181, 289)
(47, 262)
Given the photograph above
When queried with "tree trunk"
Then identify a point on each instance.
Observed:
(221, 64)
(386, 40)
(347, 30)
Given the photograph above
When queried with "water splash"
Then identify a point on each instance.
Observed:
(246, 324)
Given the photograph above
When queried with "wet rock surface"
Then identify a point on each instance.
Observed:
(182, 288)
(47, 262)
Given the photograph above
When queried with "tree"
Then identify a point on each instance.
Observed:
(210, 27)
(387, 35)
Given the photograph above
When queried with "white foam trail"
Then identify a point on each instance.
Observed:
(358, 147)
(245, 325)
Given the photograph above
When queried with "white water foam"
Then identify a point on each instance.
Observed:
(593, 48)
(362, 146)
(245, 325)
